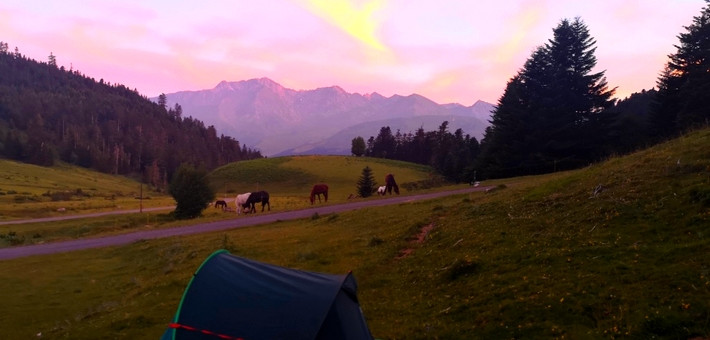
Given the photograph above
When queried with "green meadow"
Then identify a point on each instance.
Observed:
(616, 250)
(30, 191)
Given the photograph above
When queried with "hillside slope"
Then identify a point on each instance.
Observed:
(295, 175)
(616, 250)
(31, 191)
(50, 114)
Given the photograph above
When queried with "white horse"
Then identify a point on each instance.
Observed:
(241, 200)
(381, 190)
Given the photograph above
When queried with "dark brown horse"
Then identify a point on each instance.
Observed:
(221, 203)
(317, 190)
(391, 184)
(254, 198)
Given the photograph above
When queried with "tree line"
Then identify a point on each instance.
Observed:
(50, 114)
(450, 154)
(557, 114)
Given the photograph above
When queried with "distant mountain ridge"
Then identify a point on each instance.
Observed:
(279, 121)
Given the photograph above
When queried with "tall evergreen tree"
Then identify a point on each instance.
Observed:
(683, 87)
(366, 184)
(384, 144)
(52, 60)
(546, 118)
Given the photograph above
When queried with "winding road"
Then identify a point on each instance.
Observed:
(255, 219)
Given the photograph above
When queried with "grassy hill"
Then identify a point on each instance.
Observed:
(295, 176)
(30, 191)
(619, 249)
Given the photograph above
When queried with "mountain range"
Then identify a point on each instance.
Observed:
(278, 121)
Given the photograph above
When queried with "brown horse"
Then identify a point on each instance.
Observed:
(391, 184)
(254, 198)
(221, 203)
(317, 190)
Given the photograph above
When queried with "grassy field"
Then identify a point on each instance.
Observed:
(295, 176)
(616, 250)
(32, 193)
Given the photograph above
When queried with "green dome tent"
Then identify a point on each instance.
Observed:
(230, 297)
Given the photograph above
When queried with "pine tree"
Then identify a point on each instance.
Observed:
(52, 60)
(683, 101)
(163, 101)
(366, 184)
(546, 118)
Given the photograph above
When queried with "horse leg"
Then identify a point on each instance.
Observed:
(326, 196)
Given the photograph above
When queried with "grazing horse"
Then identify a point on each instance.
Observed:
(317, 190)
(391, 184)
(221, 203)
(241, 201)
(256, 197)
(381, 190)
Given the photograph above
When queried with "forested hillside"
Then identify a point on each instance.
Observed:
(48, 113)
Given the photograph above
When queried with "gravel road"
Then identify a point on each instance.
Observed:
(237, 222)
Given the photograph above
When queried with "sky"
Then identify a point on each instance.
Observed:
(446, 50)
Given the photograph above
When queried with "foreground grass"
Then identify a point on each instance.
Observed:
(617, 250)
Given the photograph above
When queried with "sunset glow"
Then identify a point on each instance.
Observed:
(357, 22)
(448, 51)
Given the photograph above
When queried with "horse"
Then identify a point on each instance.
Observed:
(381, 190)
(317, 190)
(241, 201)
(391, 184)
(256, 197)
(221, 203)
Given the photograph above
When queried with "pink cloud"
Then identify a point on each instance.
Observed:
(447, 51)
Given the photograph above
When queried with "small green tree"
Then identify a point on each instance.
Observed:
(190, 189)
(366, 184)
(358, 146)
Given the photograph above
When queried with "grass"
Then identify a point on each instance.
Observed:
(295, 176)
(30, 191)
(288, 179)
(616, 250)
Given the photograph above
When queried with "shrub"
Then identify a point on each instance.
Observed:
(190, 189)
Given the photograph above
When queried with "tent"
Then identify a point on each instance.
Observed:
(231, 297)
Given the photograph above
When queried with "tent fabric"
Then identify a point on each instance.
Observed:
(231, 297)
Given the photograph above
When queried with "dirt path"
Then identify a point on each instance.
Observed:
(58, 247)
(71, 217)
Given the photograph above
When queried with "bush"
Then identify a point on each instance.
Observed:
(190, 189)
